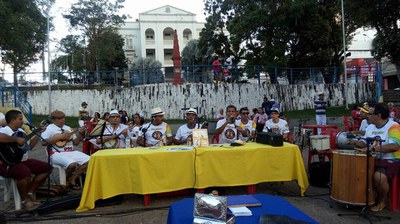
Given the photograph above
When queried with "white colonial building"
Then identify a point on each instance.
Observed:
(152, 34)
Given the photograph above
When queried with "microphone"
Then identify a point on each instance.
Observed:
(30, 125)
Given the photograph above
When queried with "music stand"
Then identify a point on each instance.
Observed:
(365, 212)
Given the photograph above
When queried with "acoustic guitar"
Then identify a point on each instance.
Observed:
(62, 143)
(12, 153)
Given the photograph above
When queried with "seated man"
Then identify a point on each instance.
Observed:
(184, 133)
(387, 160)
(228, 128)
(247, 125)
(156, 132)
(62, 153)
(114, 133)
(277, 125)
(23, 170)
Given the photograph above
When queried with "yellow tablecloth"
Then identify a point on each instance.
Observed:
(136, 171)
(249, 164)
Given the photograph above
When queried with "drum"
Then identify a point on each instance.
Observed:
(349, 177)
(341, 139)
(320, 142)
(98, 128)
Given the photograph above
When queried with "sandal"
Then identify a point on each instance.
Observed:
(378, 207)
(75, 187)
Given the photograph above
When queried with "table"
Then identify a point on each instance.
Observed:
(249, 164)
(316, 126)
(136, 171)
(181, 212)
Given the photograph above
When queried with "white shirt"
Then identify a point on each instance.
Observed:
(281, 127)
(364, 124)
(156, 133)
(249, 127)
(184, 132)
(52, 130)
(229, 134)
(110, 131)
(383, 132)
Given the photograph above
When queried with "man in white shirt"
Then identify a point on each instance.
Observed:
(62, 153)
(387, 151)
(227, 128)
(277, 125)
(115, 133)
(184, 133)
(156, 132)
(246, 124)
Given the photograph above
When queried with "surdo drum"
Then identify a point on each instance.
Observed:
(349, 177)
(341, 139)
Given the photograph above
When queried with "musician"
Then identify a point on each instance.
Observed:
(62, 153)
(114, 134)
(247, 125)
(84, 114)
(156, 132)
(387, 152)
(277, 125)
(228, 128)
(364, 113)
(185, 131)
(23, 171)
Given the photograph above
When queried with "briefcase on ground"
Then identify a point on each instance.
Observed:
(269, 138)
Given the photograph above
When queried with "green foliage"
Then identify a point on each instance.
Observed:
(191, 54)
(99, 21)
(384, 16)
(284, 33)
(23, 34)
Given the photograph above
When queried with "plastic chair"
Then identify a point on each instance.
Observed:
(348, 123)
(11, 185)
(394, 194)
(214, 139)
(62, 175)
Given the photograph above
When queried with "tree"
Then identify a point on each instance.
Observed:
(98, 19)
(23, 35)
(191, 54)
(384, 16)
(146, 71)
(279, 33)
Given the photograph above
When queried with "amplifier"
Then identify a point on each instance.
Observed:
(269, 138)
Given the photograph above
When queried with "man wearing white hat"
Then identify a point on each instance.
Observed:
(277, 125)
(114, 134)
(156, 132)
(320, 106)
(184, 133)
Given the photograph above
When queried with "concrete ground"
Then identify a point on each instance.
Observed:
(316, 203)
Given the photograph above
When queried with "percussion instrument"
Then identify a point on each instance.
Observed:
(341, 139)
(349, 177)
(98, 128)
(320, 142)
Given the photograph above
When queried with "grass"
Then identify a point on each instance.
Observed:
(299, 114)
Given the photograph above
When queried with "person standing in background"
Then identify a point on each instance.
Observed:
(217, 69)
(320, 106)
(84, 114)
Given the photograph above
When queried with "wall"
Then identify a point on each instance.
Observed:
(209, 97)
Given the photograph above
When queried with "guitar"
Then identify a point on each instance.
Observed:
(12, 153)
(62, 143)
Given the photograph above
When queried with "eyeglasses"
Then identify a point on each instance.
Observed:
(245, 113)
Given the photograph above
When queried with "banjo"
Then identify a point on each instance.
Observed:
(113, 143)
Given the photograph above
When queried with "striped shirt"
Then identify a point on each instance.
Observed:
(320, 107)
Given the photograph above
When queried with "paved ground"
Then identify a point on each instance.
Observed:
(316, 204)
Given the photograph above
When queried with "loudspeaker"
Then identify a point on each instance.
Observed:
(269, 138)
(320, 173)
(64, 203)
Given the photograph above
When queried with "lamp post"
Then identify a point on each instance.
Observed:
(344, 57)
(48, 52)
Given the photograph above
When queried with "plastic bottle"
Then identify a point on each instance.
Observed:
(189, 141)
(127, 142)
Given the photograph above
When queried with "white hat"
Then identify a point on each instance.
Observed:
(157, 111)
(274, 109)
(321, 93)
(114, 112)
(272, 100)
(191, 111)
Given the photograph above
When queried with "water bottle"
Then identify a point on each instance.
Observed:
(127, 142)
(189, 141)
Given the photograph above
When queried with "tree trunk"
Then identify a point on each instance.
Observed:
(15, 76)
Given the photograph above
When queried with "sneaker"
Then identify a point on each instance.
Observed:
(378, 207)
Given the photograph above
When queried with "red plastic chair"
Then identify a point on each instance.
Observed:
(394, 193)
(348, 123)
(215, 139)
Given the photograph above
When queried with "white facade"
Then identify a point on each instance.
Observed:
(361, 45)
(152, 35)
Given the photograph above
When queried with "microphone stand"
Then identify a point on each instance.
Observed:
(365, 212)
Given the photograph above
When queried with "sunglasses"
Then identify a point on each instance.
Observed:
(245, 113)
